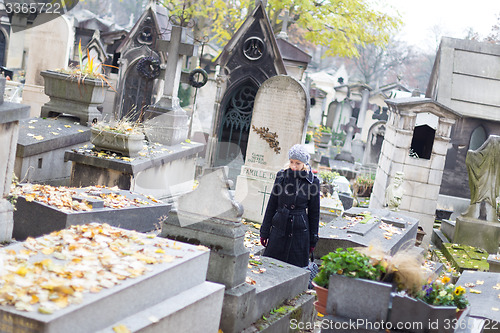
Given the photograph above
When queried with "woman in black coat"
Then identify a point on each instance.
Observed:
(289, 230)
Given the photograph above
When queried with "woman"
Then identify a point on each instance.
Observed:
(289, 230)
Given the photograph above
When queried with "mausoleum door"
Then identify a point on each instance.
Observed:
(137, 93)
(235, 127)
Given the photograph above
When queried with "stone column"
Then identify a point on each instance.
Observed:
(10, 114)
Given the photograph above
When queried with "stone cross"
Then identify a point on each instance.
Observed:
(350, 128)
(286, 19)
(175, 49)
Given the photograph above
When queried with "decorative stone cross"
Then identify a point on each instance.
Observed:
(350, 128)
(286, 19)
(175, 49)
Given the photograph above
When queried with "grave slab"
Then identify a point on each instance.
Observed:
(485, 304)
(477, 233)
(389, 230)
(41, 146)
(141, 292)
(159, 170)
(465, 257)
(34, 218)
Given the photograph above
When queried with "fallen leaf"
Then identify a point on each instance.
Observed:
(38, 137)
(67, 126)
(479, 282)
(121, 329)
(474, 291)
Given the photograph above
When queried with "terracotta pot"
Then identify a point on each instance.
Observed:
(322, 294)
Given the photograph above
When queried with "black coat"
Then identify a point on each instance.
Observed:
(292, 217)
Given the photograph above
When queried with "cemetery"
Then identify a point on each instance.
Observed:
(139, 163)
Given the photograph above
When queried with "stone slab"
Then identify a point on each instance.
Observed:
(10, 112)
(39, 135)
(33, 218)
(155, 155)
(336, 234)
(279, 281)
(477, 233)
(448, 228)
(345, 169)
(487, 303)
(203, 302)
(465, 257)
(138, 294)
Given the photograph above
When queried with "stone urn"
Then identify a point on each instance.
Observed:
(74, 95)
(129, 144)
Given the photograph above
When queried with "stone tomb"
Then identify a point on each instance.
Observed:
(279, 121)
(465, 257)
(164, 297)
(41, 146)
(124, 209)
(253, 288)
(159, 170)
(484, 301)
(388, 230)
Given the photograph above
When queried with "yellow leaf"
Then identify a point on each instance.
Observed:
(121, 329)
(48, 250)
(81, 131)
(474, 291)
(67, 126)
(22, 271)
(38, 137)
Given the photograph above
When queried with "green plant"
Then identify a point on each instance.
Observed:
(348, 262)
(443, 293)
(328, 176)
(365, 180)
(309, 137)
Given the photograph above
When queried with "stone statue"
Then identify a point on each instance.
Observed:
(394, 192)
(483, 167)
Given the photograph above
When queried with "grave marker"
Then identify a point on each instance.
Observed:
(278, 122)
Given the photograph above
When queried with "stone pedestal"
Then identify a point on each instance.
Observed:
(478, 233)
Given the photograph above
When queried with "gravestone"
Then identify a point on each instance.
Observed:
(42, 209)
(210, 216)
(374, 143)
(10, 115)
(472, 227)
(273, 134)
(343, 163)
(388, 230)
(59, 34)
(135, 273)
(165, 121)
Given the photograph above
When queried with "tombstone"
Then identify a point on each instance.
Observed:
(210, 216)
(10, 115)
(36, 216)
(416, 141)
(137, 90)
(475, 227)
(241, 74)
(374, 143)
(388, 230)
(273, 134)
(17, 36)
(59, 34)
(358, 146)
(121, 278)
(165, 121)
(350, 129)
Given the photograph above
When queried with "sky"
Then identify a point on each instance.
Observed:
(454, 17)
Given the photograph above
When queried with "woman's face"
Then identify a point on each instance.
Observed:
(296, 165)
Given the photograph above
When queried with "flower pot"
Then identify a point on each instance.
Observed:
(355, 298)
(125, 144)
(323, 140)
(72, 95)
(322, 294)
(407, 310)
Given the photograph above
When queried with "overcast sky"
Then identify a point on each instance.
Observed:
(452, 16)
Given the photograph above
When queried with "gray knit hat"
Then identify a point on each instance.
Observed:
(299, 152)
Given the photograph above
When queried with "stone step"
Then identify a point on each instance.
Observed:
(197, 309)
(280, 281)
(99, 310)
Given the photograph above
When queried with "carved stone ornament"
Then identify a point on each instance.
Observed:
(253, 48)
(270, 137)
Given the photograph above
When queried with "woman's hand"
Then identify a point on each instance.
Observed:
(263, 241)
